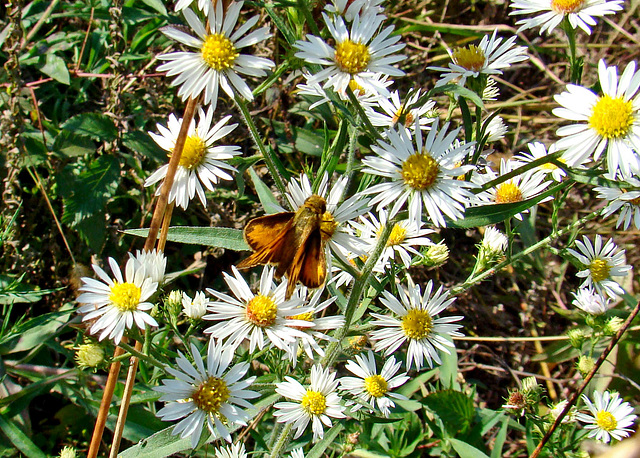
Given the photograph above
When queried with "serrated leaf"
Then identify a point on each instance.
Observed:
(269, 202)
(86, 193)
(454, 408)
(55, 67)
(68, 144)
(221, 237)
(94, 125)
(465, 450)
(142, 143)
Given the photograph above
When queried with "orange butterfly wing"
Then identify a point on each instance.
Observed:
(268, 236)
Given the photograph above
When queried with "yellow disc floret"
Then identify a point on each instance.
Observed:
(471, 58)
(612, 118)
(211, 394)
(417, 324)
(193, 153)
(606, 420)
(125, 296)
(218, 52)
(328, 226)
(314, 402)
(398, 235)
(262, 311)
(352, 57)
(508, 193)
(566, 6)
(420, 171)
(376, 386)
(599, 270)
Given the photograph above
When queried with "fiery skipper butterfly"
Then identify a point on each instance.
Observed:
(292, 241)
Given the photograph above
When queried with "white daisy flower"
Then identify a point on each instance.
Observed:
(212, 393)
(590, 301)
(203, 5)
(494, 242)
(516, 189)
(369, 387)
(216, 61)
(416, 323)
(297, 453)
(488, 58)
(365, 97)
(154, 262)
(391, 110)
(350, 9)
(580, 13)
(609, 416)
(625, 200)
(201, 162)
(496, 129)
(195, 308)
(321, 324)
(491, 92)
(236, 450)
(425, 175)
(404, 236)
(537, 150)
(333, 228)
(601, 263)
(261, 318)
(357, 54)
(609, 122)
(317, 403)
(117, 304)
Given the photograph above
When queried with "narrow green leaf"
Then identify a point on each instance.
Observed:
(19, 439)
(465, 450)
(267, 199)
(501, 437)
(329, 438)
(222, 237)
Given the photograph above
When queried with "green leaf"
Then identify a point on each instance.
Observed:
(35, 332)
(68, 144)
(329, 439)
(501, 437)
(465, 450)
(94, 125)
(304, 140)
(55, 67)
(142, 143)
(86, 193)
(267, 199)
(13, 291)
(222, 237)
(19, 439)
(157, 5)
(454, 408)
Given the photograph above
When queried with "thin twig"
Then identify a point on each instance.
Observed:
(574, 398)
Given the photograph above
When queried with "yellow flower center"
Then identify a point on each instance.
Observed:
(612, 118)
(635, 201)
(508, 193)
(125, 296)
(376, 386)
(356, 88)
(606, 420)
(262, 311)
(408, 117)
(211, 394)
(599, 270)
(218, 52)
(314, 402)
(471, 58)
(551, 165)
(420, 171)
(566, 6)
(303, 316)
(352, 57)
(398, 235)
(417, 324)
(193, 152)
(328, 226)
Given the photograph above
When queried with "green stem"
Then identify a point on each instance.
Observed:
(519, 171)
(334, 348)
(304, 6)
(283, 441)
(546, 241)
(363, 116)
(264, 151)
(351, 158)
(141, 356)
(574, 71)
